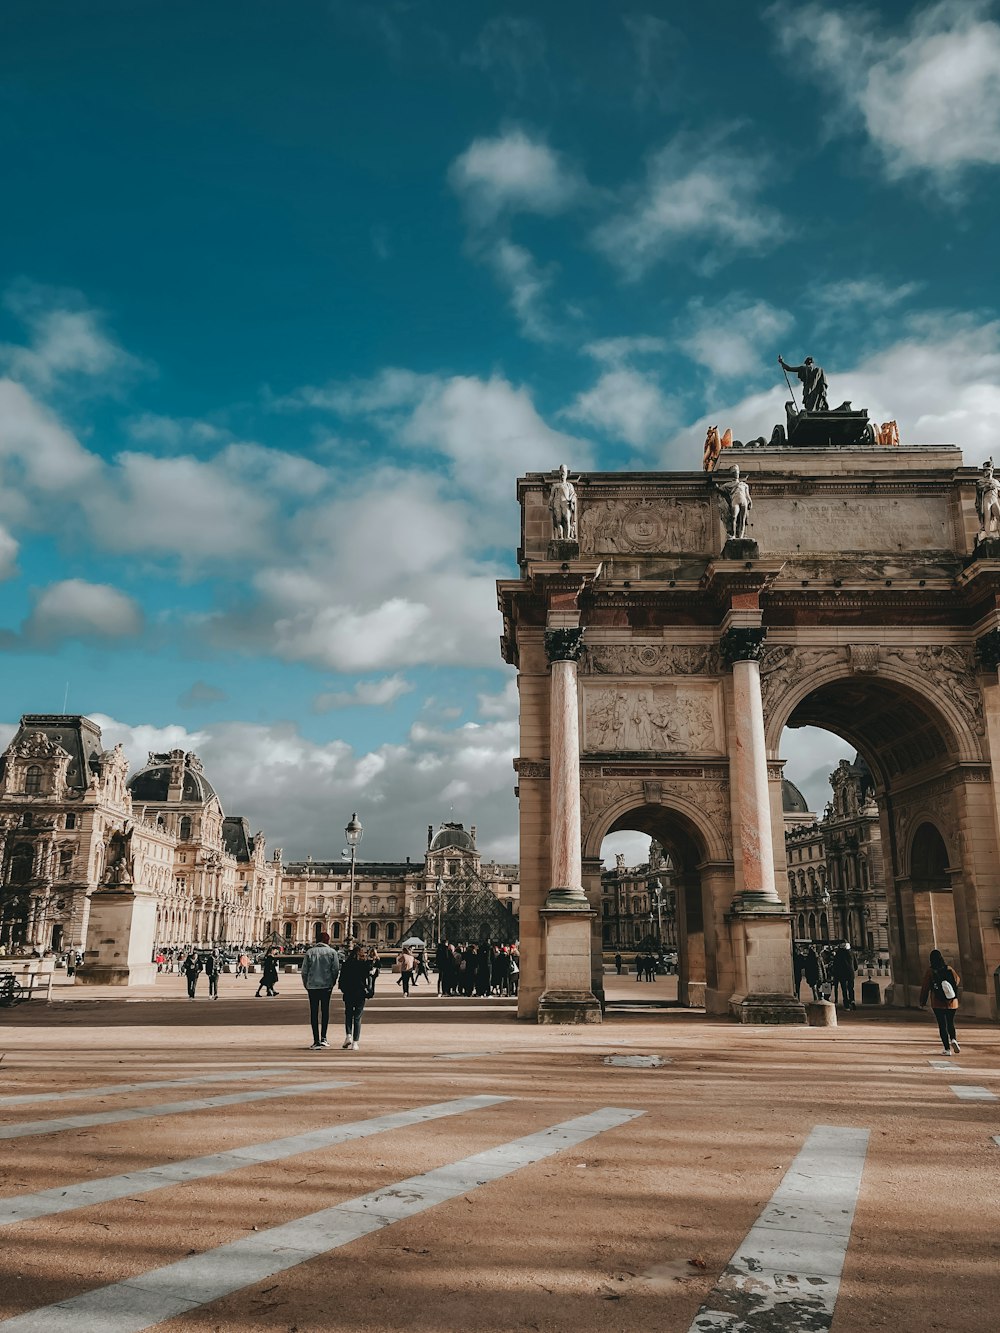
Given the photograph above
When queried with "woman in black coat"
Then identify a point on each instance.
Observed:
(268, 974)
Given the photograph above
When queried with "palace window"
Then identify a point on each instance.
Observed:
(185, 833)
(390, 931)
(335, 931)
(33, 781)
(71, 821)
(373, 930)
(21, 859)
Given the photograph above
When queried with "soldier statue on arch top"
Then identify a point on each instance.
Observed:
(817, 425)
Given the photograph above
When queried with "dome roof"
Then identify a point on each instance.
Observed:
(792, 800)
(152, 782)
(452, 835)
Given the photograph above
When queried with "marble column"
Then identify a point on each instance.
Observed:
(742, 648)
(567, 996)
(758, 924)
(563, 648)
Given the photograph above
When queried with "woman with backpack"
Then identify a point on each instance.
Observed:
(941, 983)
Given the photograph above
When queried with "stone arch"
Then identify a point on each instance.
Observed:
(709, 839)
(826, 692)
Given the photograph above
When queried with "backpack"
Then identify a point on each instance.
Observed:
(942, 984)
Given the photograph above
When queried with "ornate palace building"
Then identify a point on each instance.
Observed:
(639, 904)
(450, 894)
(75, 830)
(836, 874)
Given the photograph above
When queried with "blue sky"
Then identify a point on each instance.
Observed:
(291, 293)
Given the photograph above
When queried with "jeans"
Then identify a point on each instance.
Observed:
(846, 989)
(319, 1010)
(946, 1026)
(354, 1007)
(192, 981)
(213, 983)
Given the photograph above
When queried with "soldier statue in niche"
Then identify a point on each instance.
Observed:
(562, 507)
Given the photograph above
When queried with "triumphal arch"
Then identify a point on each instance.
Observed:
(667, 628)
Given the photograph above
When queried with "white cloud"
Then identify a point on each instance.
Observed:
(513, 173)
(8, 554)
(201, 693)
(291, 787)
(172, 432)
(940, 380)
(366, 693)
(625, 404)
(47, 456)
(699, 192)
(929, 99)
(528, 287)
(66, 341)
(811, 755)
(75, 609)
(733, 338)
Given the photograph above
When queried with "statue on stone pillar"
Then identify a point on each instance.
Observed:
(562, 507)
(988, 503)
(737, 505)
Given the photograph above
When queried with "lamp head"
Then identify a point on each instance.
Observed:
(353, 831)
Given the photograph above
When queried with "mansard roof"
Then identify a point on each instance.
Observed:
(77, 735)
(452, 835)
(152, 782)
(236, 837)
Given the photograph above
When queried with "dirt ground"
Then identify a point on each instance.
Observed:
(630, 1229)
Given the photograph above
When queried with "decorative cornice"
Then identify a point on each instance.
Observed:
(988, 650)
(742, 645)
(564, 645)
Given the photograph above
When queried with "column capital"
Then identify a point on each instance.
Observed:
(564, 645)
(988, 650)
(744, 644)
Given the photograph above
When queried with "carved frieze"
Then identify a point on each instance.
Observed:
(651, 659)
(665, 719)
(952, 670)
(637, 527)
(782, 665)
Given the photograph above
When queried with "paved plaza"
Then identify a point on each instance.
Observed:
(193, 1166)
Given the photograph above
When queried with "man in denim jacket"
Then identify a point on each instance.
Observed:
(320, 968)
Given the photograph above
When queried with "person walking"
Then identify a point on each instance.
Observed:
(243, 965)
(404, 965)
(268, 974)
(191, 968)
(618, 963)
(811, 971)
(353, 985)
(941, 983)
(210, 966)
(843, 975)
(320, 968)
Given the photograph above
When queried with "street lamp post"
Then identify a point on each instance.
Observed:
(657, 888)
(439, 886)
(353, 834)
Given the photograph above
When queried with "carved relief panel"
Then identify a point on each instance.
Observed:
(664, 718)
(644, 526)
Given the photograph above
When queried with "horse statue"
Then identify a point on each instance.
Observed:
(714, 446)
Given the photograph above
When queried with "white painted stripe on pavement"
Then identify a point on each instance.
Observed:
(953, 1067)
(164, 1293)
(76, 1094)
(64, 1198)
(786, 1274)
(467, 1055)
(165, 1108)
(969, 1092)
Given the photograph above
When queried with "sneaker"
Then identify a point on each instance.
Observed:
(355, 1046)
(347, 1044)
(315, 1046)
(324, 1042)
(946, 1051)
(955, 1047)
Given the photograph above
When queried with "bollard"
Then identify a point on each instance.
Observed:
(870, 992)
(821, 1014)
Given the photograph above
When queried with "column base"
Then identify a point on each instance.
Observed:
(101, 975)
(568, 1007)
(566, 899)
(771, 1009)
(757, 904)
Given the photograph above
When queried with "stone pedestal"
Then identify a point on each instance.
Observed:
(821, 1014)
(121, 935)
(567, 997)
(740, 548)
(762, 945)
(563, 549)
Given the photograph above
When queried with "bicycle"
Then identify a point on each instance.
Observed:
(11, 990)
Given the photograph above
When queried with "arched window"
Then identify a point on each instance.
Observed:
(317, 930)
(373, 930)
(824, 928)
(335, 931)
(32, 780)
(185, 828)
(390, 931)
(71, 821)
(288, 930)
